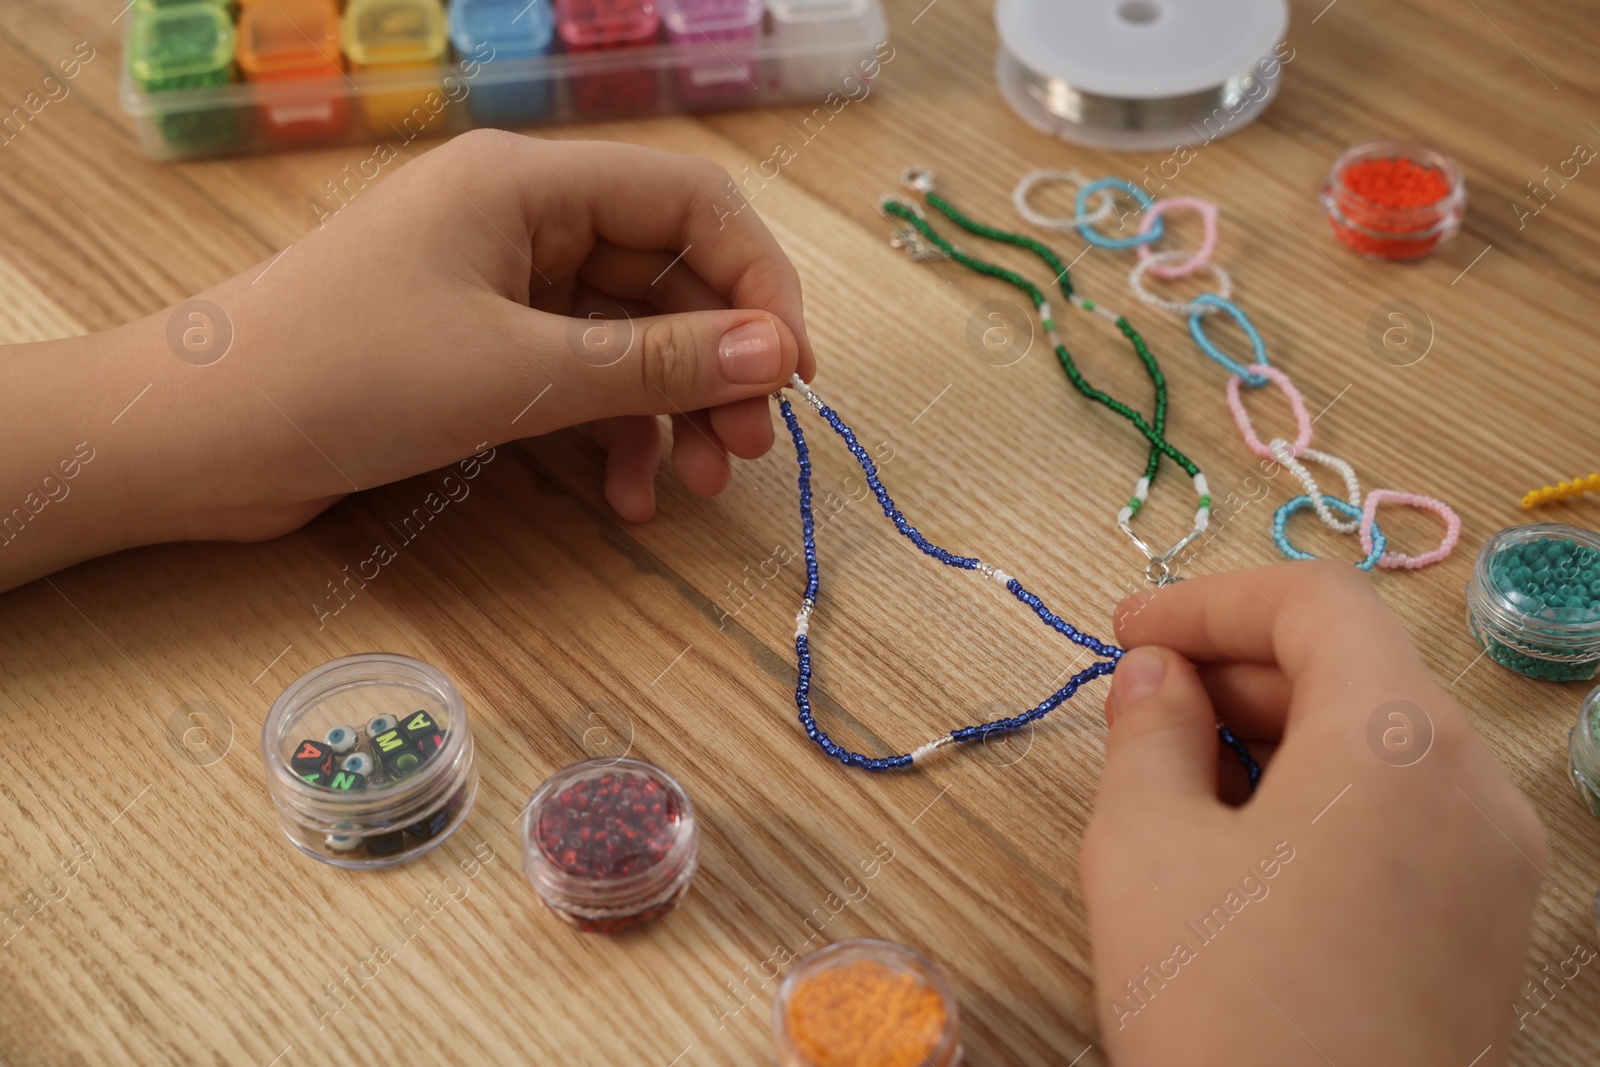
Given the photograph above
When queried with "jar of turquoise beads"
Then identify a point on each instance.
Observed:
(1583, 754)
(1533, 601)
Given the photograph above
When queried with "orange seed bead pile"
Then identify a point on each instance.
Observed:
(865, 1014)
(1396, 183)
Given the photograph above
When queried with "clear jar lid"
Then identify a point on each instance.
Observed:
(610, 843)
(867, 1003)
(369, 760)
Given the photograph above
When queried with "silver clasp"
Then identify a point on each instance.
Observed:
(918, 247)
(1159, 570)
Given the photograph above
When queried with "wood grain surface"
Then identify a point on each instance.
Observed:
(154, 914)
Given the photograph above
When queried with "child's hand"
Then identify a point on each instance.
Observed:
(440, 311)
(1370, 904)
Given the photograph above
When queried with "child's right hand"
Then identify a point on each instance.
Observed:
(1375, 894)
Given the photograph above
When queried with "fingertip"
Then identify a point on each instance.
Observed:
(698, 457)
(632, 498)
(744, 427)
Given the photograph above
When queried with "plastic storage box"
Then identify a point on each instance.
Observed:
(205, 77)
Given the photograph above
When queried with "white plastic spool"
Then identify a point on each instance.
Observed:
(1137, 75)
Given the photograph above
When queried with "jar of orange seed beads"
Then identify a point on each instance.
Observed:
(1394, 200)
(866, 1003)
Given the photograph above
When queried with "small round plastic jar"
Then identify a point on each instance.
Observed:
(867, 1003)
(1399, 222)
(403, 726)
(610, 844)
(1583, 753)
(1533, 601)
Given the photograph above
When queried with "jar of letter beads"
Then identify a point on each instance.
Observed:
(369, 760)
(1533, 601)
(1583, 752)
(610, 844)
(866, 1003)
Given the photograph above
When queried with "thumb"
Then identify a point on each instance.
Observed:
(1162, 741)
(669, 364)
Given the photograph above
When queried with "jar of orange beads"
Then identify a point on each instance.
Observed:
(866, 1003)
(1394, 200)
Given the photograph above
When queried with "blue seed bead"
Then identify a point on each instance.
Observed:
(910, 532)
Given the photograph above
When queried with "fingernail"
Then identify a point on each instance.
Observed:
(751, 354)
(1137, 676)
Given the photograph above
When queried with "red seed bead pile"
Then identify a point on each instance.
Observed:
(609, 827)
(1391, 207)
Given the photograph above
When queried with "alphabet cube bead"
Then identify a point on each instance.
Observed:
(386, 844)
(398, 756)
(431, 826)
(313, 761)
(346, 781)
(419, 725)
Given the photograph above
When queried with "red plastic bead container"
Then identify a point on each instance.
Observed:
(606, 26)
(610, 844)
(1394, 200)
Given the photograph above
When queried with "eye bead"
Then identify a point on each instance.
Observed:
(342, 843)
(358, 763)
(381, 725)
(342, 739)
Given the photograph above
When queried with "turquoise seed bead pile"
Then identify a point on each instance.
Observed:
(1549, 580)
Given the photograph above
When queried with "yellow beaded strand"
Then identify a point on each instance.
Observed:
(1562, 491)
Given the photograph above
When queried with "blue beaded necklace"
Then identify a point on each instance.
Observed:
(1109, 654)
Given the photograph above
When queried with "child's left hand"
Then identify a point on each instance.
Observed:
(441, 311)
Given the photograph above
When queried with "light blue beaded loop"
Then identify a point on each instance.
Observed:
(1280, 519)
(1258, 347)
(1093, 236)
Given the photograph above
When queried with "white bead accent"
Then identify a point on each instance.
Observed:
(1054, 338)
(1200, 486)
(1202, 519)
(1284, 453)
(1044, 310)
(1125, 515)
(1001, 576)
(1141, 489)
(929, 749)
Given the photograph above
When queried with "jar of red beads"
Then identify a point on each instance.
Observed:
(610, 844)
(369, 760)
(1394, 200)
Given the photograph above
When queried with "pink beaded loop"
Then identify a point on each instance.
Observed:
(1208, 243)
(1452, 527)
(1241, 417)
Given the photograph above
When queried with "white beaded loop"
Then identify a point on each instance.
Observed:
(1282, 451)
(1179, 307)
(1019, 200)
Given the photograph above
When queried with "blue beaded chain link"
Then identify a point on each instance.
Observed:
(1109, 654)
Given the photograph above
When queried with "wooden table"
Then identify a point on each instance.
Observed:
(158, 917)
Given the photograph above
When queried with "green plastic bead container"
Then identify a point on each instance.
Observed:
(1533, 601)
(176, 48)
(1583, 752)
